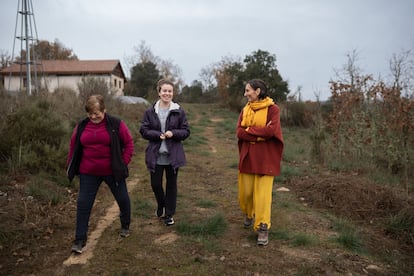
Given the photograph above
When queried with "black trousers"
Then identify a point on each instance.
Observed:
(165, 199)
(89, 185)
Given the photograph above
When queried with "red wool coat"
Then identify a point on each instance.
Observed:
(261, 157)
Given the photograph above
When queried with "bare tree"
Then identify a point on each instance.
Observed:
(208, 79)
(350, 72)
(402, 72)
(143, 54)
(172, 72)
(5, 59)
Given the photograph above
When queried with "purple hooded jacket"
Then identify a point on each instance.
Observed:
(151, 130)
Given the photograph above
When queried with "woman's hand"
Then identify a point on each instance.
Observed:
(167, 134)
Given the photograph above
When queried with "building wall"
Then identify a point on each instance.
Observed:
(118, 85)
(115, 83)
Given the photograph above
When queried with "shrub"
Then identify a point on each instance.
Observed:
(348, 236)
(401, 226)
(33, 137)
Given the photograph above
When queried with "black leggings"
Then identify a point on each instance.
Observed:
(167, 200)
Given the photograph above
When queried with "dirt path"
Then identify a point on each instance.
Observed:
(302, 238)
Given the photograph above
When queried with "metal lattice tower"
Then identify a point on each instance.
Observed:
(25, 20)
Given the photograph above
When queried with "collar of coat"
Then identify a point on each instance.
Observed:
(173, 106)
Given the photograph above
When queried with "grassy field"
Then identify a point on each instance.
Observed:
(311, 232)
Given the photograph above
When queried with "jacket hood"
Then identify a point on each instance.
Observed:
(173, 106)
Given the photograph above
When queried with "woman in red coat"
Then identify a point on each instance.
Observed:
(260, 144)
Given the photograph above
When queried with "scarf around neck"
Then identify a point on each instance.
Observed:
(255, 113)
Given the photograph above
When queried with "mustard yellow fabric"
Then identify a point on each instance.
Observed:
(255, 197)
(255, 113)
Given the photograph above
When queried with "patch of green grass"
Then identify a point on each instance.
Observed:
(307, 269)
(280, 234)
(234, 165)
(38, 189)
(59, 179)
(347, 236)
(342, 164)
(195, 141)
(286, 173)
(384, 178)
(350, 240)
(213, 226)
(302, 239)
(203, 122)
(211, 245)
(287, 201)
(227, 126)
(142, 208)
(401, 225)
(203, 203)
(297, 144)
(295, 239)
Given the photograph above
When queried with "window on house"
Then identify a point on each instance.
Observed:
(115, 83)
(120, 84)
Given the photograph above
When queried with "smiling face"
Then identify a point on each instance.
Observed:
(166, 93)
(251, 94)
(96, 116)
(95, 108)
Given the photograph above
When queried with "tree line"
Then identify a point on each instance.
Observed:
(366, 125)
(221, 82)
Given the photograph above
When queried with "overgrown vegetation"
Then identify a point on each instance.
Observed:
(332, 151)
(371, 126)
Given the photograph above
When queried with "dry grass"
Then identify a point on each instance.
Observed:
(301, 236)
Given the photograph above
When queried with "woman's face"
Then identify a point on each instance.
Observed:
(166, 93)
(96, 116)
(251, 94)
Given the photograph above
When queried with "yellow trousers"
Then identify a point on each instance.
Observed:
(255, 197)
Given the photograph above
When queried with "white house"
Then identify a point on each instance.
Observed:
(54, 74)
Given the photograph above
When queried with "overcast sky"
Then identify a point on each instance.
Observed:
(310, 38)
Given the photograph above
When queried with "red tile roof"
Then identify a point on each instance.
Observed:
(70, 67)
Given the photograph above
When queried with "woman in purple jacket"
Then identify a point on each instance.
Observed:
(101, 148)
(165, 126)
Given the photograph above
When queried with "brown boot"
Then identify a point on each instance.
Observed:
(247, 222)
(263, 237)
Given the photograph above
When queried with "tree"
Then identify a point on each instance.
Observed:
(402, 72)
(230, 84)
(207, 76)
(144, 78)
(192, 94)
(5, 59)
(351, 73)
(262, 65)
(147, 69)
(45, 50)
(90, 86)
(172, 72)
(232, 73)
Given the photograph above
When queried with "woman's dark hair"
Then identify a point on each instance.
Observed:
(257, 83)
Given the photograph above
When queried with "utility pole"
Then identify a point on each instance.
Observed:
(27, 24)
